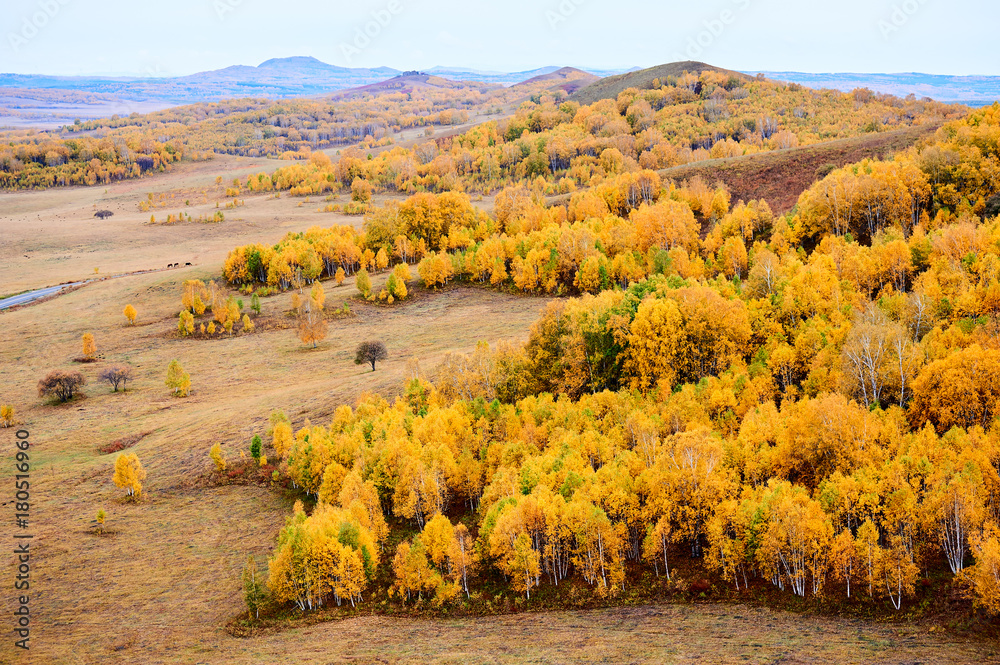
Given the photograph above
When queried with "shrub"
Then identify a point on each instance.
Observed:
(61, 384)
(116, 375)
(218, 458)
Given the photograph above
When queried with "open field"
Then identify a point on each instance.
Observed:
(52, 236)
(644, 634)
(171, 564)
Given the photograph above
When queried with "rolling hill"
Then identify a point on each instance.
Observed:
(567, 79)
(610, 86)
(780, 176)
(513, 78)
(407, 82)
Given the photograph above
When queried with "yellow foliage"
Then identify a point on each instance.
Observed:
(129, 474)
(6, 415)
(178, 380)
(89, 346)
(218, 458)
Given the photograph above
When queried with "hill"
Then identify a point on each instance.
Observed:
(567, 79)
(407, 82)
(513, 78)
(610, 86)
(780, 176)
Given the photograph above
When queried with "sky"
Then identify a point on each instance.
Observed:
(178, 37)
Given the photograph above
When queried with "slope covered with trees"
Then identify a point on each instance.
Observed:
(99, 151)
(564, 145)
(685, 116)
(806, 400)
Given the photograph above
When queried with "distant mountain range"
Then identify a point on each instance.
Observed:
(29, 100)
(300, 76)
(974, 90)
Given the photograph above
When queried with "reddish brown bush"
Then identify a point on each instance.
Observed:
(61, 384)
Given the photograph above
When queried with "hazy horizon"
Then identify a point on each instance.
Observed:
(57, 37)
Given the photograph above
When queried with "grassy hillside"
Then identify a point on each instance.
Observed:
(566, 79)
(611, 86)
(780, 176)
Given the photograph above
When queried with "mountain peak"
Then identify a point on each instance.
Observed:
(295, 60)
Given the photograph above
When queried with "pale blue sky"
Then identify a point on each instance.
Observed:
(179, 37)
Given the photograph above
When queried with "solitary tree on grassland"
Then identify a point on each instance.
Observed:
(370, 352)
(89, 346)
(130, 314)
(177, 379)
(61, 384)
(129, 474)
(6, 415)
(117, 375)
